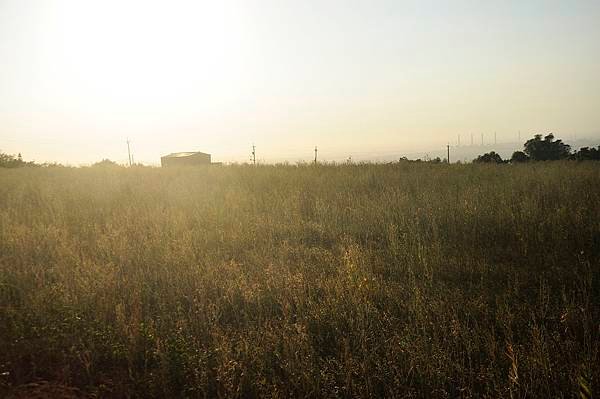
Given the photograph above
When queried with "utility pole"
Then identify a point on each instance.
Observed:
(129, 152)
(495, 139)
(448, 147)
(253, 154)
(482, 139)
(471, 139)
(315, 155)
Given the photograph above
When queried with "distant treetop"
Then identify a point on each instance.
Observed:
(546, 149)
(490, 157)
(105, 162)
(518, 157)
(543, 148)
(587, 154)
(11, 161)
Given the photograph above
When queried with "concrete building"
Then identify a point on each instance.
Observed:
(185, 159)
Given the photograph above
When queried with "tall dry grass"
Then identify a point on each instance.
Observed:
(400, 280)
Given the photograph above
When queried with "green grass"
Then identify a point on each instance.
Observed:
(400, 280)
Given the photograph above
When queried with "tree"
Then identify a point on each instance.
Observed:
(546, 149)
(587, 154)
(105, 163)
(10, 161)
(518, 157)
(490, 157)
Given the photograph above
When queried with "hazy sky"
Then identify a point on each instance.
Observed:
(354, 77)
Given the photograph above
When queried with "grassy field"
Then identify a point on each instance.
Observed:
(398, 280)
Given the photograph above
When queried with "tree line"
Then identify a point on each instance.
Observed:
(538, 148)
(11, 161)
(543, 149)
(16, 161)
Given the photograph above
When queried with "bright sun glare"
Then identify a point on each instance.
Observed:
(141, 54)
(372, 79)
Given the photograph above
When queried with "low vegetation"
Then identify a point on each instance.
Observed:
(399, 280)
(11, 161)
(490, 157)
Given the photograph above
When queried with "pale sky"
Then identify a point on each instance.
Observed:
(77, 78)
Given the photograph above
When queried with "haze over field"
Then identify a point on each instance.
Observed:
(443, 241)
(79, 77)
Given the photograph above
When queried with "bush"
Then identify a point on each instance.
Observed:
(519, 157)
(106, 163)
(490, 157)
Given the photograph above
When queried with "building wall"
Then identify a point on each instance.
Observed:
(192, 160)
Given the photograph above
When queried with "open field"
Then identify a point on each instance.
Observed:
(403, 280)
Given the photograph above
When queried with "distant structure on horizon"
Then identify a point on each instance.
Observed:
(185, 159)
